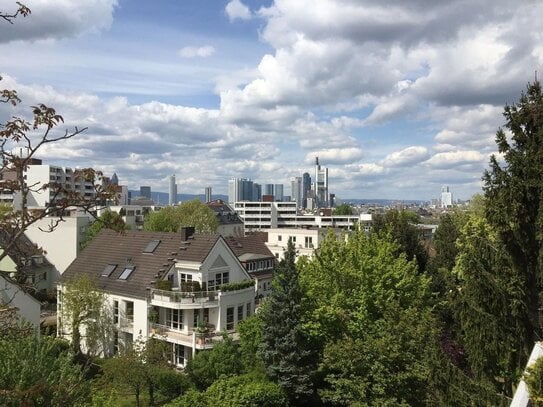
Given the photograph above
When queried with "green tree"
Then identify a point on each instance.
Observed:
(247, 391)
(343, 209)
(534, 380)
(108, 220)
(250, 339)
(223, 360)
(39, 371)
(401, 225)
(285, 348)
(189, 213)
(514, 192)
(368, 310)
(489, 305)
(82, 303)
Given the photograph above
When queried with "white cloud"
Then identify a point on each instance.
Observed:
(235, 9)
(59, 19)
(192, 52)
(406, 157)
(335, 155)
(454, 159)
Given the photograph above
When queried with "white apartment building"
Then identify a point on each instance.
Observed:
(305, 240)
(177, 287)
(270, 215)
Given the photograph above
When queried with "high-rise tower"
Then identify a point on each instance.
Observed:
(321, 185)
(172, 197)
(296, 192)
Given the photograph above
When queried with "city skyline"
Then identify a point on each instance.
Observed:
(396, 100)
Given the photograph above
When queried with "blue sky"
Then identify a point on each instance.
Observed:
(396, 98)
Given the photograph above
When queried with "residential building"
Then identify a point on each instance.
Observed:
(257, 259)
(266, 215)
(172, 196)
(133, 215)
(306, 240)
(230, 224)
(174, 286)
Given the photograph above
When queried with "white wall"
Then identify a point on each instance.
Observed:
(28, 308)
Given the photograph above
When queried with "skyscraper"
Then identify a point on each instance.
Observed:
(145, 192)
(209, 194)
(446, 197)
(172, 197)
(268, 189)
(296, 192)
(240, 189)
(278, 189)
(306, 187)
(321, 185)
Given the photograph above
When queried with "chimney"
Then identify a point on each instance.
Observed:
(186, 232)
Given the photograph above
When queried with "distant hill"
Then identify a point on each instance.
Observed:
(381, 202)
(161, 198)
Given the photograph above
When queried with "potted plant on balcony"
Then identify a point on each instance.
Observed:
(202, 330)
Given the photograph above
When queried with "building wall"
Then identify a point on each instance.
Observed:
(27, 307)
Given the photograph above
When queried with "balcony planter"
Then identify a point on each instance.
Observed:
(165, 285)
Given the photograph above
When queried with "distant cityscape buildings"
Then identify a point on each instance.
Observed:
(145, 192)
(208, 194)
(172, 196)
(446, 200)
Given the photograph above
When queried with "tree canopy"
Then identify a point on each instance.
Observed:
(109, 220)
(189, 213)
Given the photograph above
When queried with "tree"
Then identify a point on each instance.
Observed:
(223, 360)
(489, 305)
(534, 380)
(109, 220)
(39, 371)
(189, 213)
(343, 209)
(147, 362)
(83, 304)
(513, 188)
(250, 339)
(285, 348)
(400, 224)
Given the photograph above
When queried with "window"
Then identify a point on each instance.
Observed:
(126, 273)
(279, 238)
(175, 319)
(178, 354)
(108, 270)
(206, 315)
(308, 242)
(185, 277)
(115, 342)
(220, 278)
(293, 238)
(196, 318)
(248, 309)
(115, 312)
(230, 318)
(129, 310)
(240, 313)
(151, 247)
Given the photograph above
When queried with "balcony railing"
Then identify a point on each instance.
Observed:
(199, 297)
(126, 323)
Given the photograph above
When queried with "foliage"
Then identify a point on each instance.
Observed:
(534, 380)
(343, 209)
(40, 372)
(189, 213)
(401, 226)
(223, 360)
(148, 366)
(165, 285)
(285, 349)
(238, 285)
(192, 398)
(513, 190)
(368, 310)
(108, 220)
(489, 305)
(83, 304)
(246, 391)
(250, 338)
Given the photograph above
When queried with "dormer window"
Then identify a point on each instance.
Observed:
(151, 247)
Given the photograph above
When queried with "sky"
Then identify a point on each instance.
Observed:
(396, 98)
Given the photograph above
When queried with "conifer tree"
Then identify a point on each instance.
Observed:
(514, 193)
(285, 349)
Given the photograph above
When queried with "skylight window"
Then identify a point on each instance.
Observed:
(126, 273)
(151, 247)
(110, 268)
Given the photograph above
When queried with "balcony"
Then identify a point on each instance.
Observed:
(192, 338)
(126, 324)
(177, 299)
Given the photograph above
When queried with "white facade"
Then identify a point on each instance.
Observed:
(269, 215)
(296, 192)
(320, 185)
(305, 240)
(12, 297)
(446, 197)
(62, 245)
(37, 175)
